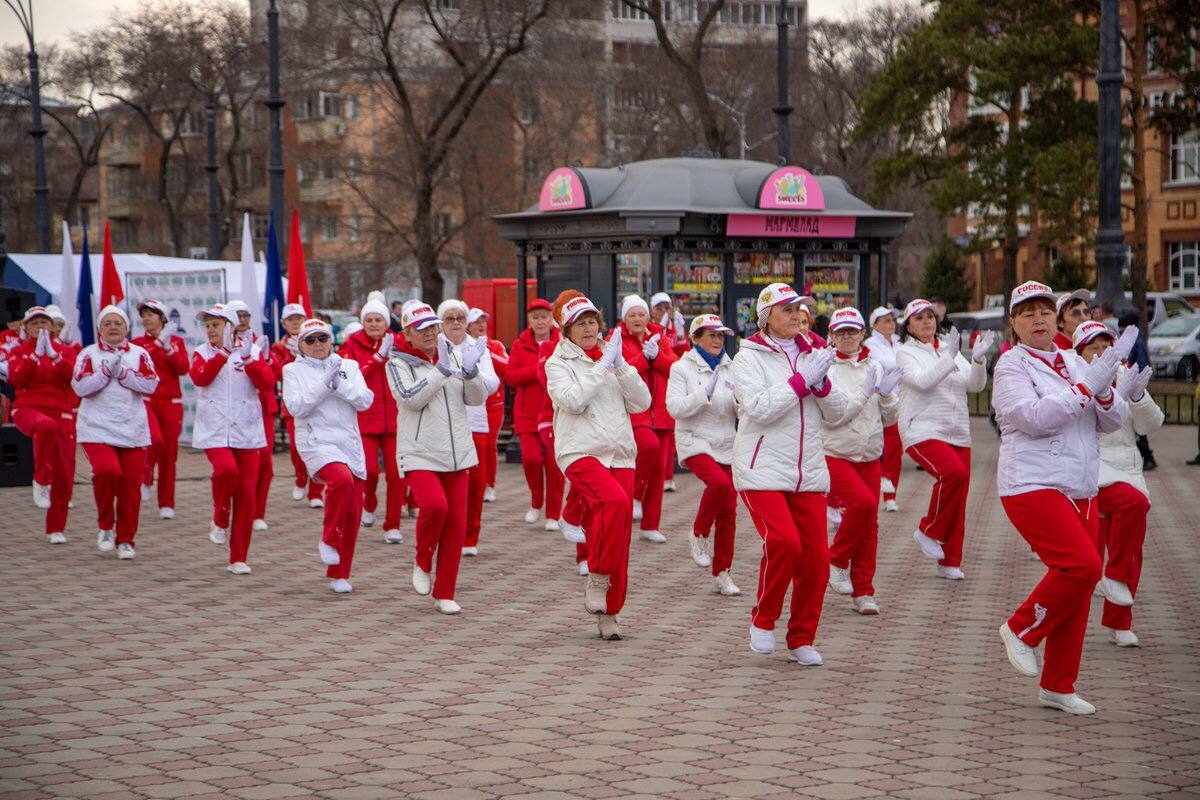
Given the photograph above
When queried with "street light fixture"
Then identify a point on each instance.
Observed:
(24, 11)
(783, 108)
(1110, 237)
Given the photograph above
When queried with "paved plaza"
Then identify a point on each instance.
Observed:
(168, 677)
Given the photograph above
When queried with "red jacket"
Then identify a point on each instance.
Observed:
(546, 415)
(281, 356)
(42, 384)
(522, 375)
(380, 418)
(655, 375)
(169, 364)
(500, 364)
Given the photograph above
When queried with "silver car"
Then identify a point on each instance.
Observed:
(1175, 348)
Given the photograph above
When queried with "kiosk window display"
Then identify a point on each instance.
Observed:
(833, 278)
(695, 282)
(634, 274)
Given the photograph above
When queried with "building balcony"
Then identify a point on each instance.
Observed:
(320, 129)
(129, 153)
(328, 190)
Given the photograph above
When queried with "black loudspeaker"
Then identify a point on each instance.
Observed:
(16, 457)
(13, 303)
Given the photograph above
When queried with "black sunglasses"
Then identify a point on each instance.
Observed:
(319, 338)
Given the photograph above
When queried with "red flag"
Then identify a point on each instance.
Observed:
(297, 291)
(111, 293)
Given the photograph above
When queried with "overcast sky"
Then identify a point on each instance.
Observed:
(55, 19)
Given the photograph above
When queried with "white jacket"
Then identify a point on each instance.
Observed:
(1049, 428)
(702, 426)
(778, 446)
(327, 419)
(432, 431)
(228, 410)
(1120, 460)
(592, 407)
(477, 415)
(857, 435)
(933, 394)
(882, 349)
(112, 410)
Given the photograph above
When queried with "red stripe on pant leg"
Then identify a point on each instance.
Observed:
(1125, 509)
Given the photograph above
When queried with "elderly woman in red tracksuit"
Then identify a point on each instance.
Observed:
(675, 334)
(779, 467)
(283, 352)
(270, 410)
(652, 428)
(40, 371)
(371, 348)
(1052, 407)
(883, 342)
(477, 321)
(114, 378)
(541, 471)
(165, 406)
(594, 393)
(229, 372)
(63, 339)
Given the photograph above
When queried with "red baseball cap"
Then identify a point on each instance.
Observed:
(539, 302)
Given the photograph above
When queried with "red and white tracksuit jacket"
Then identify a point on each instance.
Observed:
(653, 428)
(165, 408)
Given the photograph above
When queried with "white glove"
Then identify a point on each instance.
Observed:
(983, 343)
(385, 347)
(816, 366)
(890, 380)
(472, 356)
(650, 347)
(107, 366)
(952, 342)
(665, 322)
(43, 346)
(612, 351)
(333, 366)
(1128, 339)
(445, 363)
(245, 345)
(168, 331)
(868, 384)
(1132, 385)
(712, 382)
(228, 340)
(1098, 376)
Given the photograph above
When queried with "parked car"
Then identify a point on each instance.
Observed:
(968, 322)
(1163, 306)
(1175, 348)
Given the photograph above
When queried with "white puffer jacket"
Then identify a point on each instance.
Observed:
(113, 411)
(327, 419)
(933, 394)
(592, 407)
(1049, 428)
(432, 430)
(1120, 460)
(857, 435)
(778, 446)
(228, 409)
(882, 349)
(702, 426)
(477, 415)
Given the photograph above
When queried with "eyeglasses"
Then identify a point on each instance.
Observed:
(320, 338)
(454, 318)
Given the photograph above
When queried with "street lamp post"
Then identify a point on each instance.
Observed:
(1110, 237)
(275, 103)
(24, 11)
(783, 108)
(214, 233)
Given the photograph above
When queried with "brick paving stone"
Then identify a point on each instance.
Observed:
(167, 677)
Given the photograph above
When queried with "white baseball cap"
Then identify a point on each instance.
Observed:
(846, 318)
(914, 307)
(35, 311)
(880, 312)
(777, 294)
(707, 322)
(577, 306)
(238, 307)
(153, 305)
(314, 325)
(1087, 331)
(418, 315)
(475, 314)
(1078, 294)
(293, 310)
(1028, 291)
(220, 311)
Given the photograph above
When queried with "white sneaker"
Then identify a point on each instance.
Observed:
(489, 494)
(341, 585)
(833, 516)
(551, 525)
(316, 502)
(839, 580)
(218, 535)
(669, 486)
(1070, 703)
(886, 486)
(145, 492)
(725, 586)
(259, 525)
(58, 538)
(297, 492)
(1115, 592)
(930, 548)
(106, 541)
(421, 580)
(166, 513)
(329, 555)
(532, 516)
(470, 552)
(125, 551)
(238, 568)
(865, 604)
(950, 573)
(393, 536)
(1123, 638)
(1020, 655)
(891, 505)
(41, 495)
(583, 568)
(368, 519)
(637, 510)
(699, 548)
(572, 533)
(652, 536)
(447, 606)
(806, 656)
(762, 641)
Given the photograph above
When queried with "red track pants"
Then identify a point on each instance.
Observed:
(669, 458)
(476, 483)
(649, 478)
(53, 438)
(166, 423)
(495, 417)
(946, 520)
(857, 486)
(1123, 511)
(441, 525)
(718, 505)
(116, 485)
(302, 478)
(575, 511)
(375, 445)
(266, 469)
(343, 512)
(1063, 534)
(795, 552)
(537, 457)
(609, 497)
(234, 479)
(893, 456)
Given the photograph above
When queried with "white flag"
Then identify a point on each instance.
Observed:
(68, 286)
(249, 278)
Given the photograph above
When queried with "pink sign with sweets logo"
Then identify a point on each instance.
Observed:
(790, 226)
(563, 190)
(791, 188)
